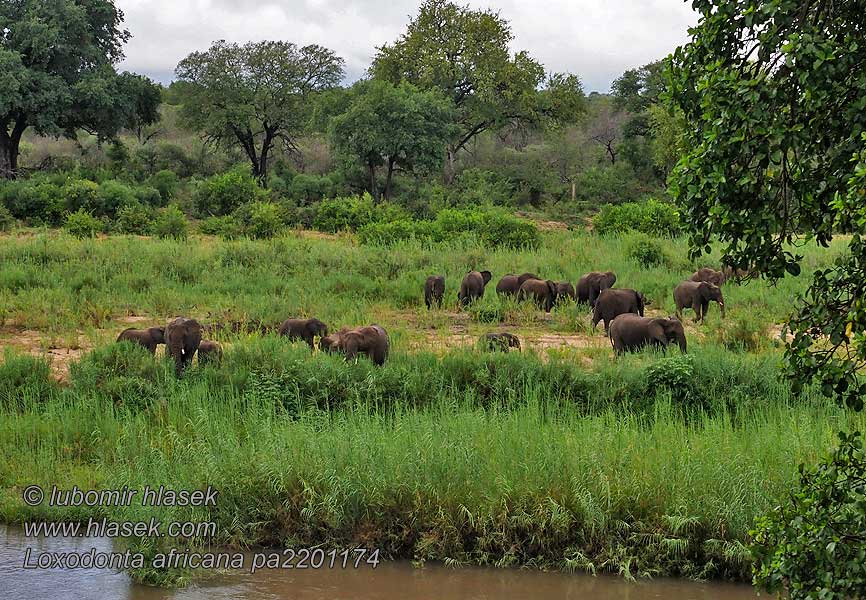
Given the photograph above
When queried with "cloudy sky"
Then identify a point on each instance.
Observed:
(595, 39)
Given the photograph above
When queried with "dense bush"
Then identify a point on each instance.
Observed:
(307, 189)
(166, 183)
(226, 227)
(260, 220)
(340, 214)
(82, 224)
(493, 227)
(7, 221)
(134, 218)
(111, 197)
(80, 193)
(648, 252)
(171, 223)
(651, 217)
(35, 201)
(125, 373)
(222, 194)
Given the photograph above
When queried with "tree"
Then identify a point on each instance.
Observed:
(606, 127)
(637, 89)
(398, 127)
(256, 94)
(774, 99)
(464, 54)
(57, 74)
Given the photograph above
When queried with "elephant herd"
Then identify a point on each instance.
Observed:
(183, 339)
(621, 309)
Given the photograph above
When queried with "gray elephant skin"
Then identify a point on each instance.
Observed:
(565, 291)
(510, 284)
(371, 341)
(710, 276)
(210, 353)
(614, 302)
(149, 338)
(592, 284)
(499, 342)
(697, 296)
(182, 338)
(434, 291)
(303, 329)
(472, 286)
(543, 293)
(629, 333)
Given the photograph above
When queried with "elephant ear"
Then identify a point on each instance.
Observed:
(486, 276)
(551, 286)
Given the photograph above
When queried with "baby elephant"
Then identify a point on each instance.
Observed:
(372, 341)
(434, 290)
(710, 276)
(499, 342)
(472, 287)
(614, 302)
(542, 292)
(210, 352)
(149, 338)
(303, 329)
(697, 295)
(565, 291)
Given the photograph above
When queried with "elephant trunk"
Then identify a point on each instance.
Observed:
(681, 340)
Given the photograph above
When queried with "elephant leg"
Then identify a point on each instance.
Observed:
(309, 339)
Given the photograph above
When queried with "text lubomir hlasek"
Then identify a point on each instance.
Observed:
(149, 496)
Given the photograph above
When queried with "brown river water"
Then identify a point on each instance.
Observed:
(389, 581)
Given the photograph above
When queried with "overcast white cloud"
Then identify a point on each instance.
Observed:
(595, 39)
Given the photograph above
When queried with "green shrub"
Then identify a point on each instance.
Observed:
(80, 193)
(647, 251)
(383, 234)
(744, 333)
(135, 219)
(222, 194)
(226, 227)
(171, 223)
(501, 229)
(166, 183)
(308, 189)
(676, 374)
(124, 372)
(340, 214)
(148, 196)
(7, 221)
(651, 217)
(24, 378)
(35, 201)
(265, 221)
(111, 197)
(82, 224)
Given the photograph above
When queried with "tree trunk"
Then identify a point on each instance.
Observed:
(372, 169)
(389, 178)
(573, 191)
(450, 167)
(10, 146)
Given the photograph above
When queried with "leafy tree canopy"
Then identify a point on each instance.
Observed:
(57, 74)
(464, 54)
(255, 95)
(774, 96)
(398, 127)
(638, 89)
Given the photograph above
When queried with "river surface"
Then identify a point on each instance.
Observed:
(389, 581)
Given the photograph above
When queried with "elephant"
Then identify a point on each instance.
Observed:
(501, 342)
(510, 284)
(149, 338)
(630, 332)
(210, 352)
(614, 302)
(564, 289)
(737, 274)
(473, 286)
(303, 329)
(697, 295)
(710, 276)
(372, 341)
(434, 290)
(182, 338)
(543, 292)
(590, 286)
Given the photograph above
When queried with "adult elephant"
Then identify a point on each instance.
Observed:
(372, 341)
(564, 290)
(710, 276)
(697, 296)
(210, 352)
(472, 287)
(303, 329)
(510, 284)
(499, 342)
(182, 339)
(629, 333)
(611, 303)
(592, 284)
(542, 292)
(434, 291)
(149, 338)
